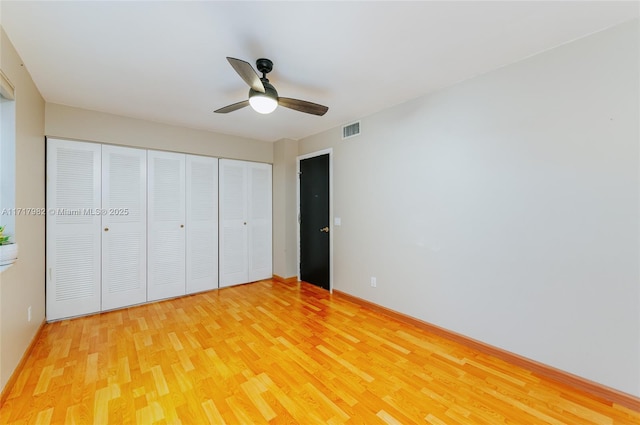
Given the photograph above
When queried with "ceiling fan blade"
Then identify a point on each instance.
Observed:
(303, 106)
(231, 108)
(247, 73)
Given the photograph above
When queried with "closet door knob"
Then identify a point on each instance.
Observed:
(181, 226)
(106, 229)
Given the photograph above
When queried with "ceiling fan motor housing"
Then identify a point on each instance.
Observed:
(269, 90)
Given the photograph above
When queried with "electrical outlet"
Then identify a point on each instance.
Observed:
(29, 314)
(374, 282)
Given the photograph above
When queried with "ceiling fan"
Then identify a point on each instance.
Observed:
(263, 97)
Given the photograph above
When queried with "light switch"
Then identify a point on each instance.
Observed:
(337, 221)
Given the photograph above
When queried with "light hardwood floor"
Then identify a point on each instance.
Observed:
(270, 352)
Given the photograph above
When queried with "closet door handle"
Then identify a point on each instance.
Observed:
(106, 229)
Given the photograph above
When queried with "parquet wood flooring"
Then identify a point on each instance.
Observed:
(272, 352)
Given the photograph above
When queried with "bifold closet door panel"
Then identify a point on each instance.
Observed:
(233, 223)
(166, 225)
(245, 222)
(202, 223)
(260, 252)
(124, 226)
(73, 228)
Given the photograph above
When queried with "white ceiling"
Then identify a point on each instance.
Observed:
(165, 61)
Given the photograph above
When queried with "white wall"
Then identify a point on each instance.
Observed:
(284, 208)
(81, 124)
(22, 285)
(505, 208)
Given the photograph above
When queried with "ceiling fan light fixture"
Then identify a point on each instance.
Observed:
(264, 103)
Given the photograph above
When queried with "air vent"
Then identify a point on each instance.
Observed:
(351, 130)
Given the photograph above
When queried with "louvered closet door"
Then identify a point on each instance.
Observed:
(202, 223)
(73, 229)
(124, 226)
(233, 223)
(166, 221)
(259, 221)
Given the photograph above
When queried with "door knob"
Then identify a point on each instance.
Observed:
(325, 229)
(106, 229)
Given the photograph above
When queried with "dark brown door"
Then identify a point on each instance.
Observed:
(314, 220)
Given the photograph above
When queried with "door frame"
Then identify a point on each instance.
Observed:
(331, 227)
